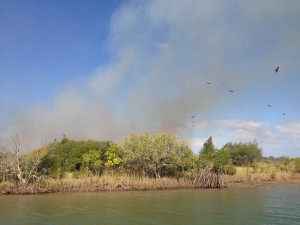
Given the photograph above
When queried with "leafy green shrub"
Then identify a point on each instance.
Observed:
(211, 159)
(230, 170)
(243, 154)
(208, 147)
(297, 165)
(264, 169)
(255, 167)
(286, 161)
(68, 156)
(156, 155)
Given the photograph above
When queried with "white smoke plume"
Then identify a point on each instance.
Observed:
(162, 55)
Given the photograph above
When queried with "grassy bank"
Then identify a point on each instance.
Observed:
(244, 176)
(267, 172)
(263, 175)
(92, 184)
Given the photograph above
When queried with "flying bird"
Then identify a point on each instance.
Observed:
(193, 117)
(269, 105)
(283, 114)
(276, 70)
(230, 90)
(207, 82)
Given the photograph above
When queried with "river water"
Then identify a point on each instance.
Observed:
(278, 204)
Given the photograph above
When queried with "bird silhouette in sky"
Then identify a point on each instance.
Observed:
(269, 105)
(283, 114)
(277, 68)
(230, 90)
(193, 117)
(207, 82)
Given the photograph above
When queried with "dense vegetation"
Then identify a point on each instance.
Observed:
(143, 155)
(242, 154)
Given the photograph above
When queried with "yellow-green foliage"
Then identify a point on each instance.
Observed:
(268, 171)
(230, 170)
(155, 155)
(297, 165)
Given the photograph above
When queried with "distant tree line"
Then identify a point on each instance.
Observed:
(162, 155)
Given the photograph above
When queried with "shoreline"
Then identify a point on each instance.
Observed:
(123, 183)
(260, 183)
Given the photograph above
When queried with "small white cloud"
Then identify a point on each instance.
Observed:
(275, 140)
(291, 129)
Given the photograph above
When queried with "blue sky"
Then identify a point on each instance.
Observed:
(106, 69)
(45, 44)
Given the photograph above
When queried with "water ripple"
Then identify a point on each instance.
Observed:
(255, 205)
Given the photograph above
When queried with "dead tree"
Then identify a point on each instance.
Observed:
(16, 151)
(25, 166)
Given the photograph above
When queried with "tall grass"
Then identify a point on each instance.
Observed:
(91, 184)
(262, 173)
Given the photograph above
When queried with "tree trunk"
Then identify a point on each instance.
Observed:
(19, 175)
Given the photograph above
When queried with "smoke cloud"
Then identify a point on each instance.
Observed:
(162, 55)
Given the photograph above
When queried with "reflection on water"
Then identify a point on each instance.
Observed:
(253, 205)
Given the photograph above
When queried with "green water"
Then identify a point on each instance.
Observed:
(253, 205)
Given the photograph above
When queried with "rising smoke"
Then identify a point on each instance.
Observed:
(163, 52)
